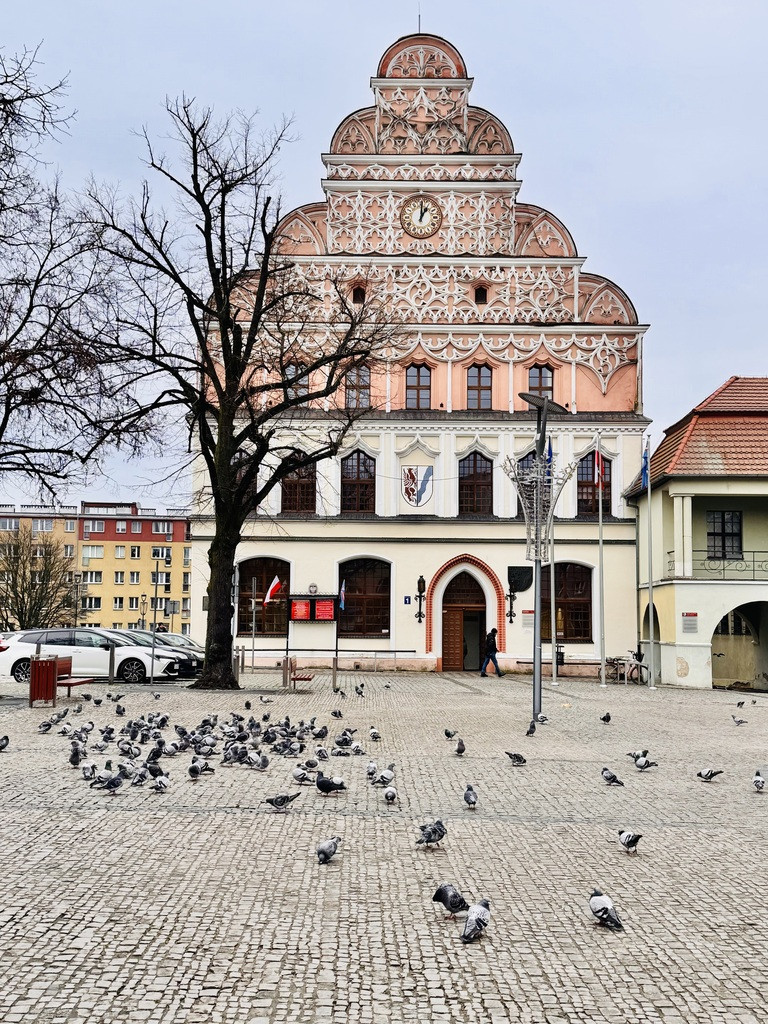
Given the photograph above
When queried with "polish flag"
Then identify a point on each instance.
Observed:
(272, 593)
(599, 469)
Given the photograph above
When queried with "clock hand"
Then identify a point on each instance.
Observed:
(422, 212)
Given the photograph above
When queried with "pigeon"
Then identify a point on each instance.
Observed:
(336, 714)
(390, 795)
(758, 782)
(610, 778)
(603, 909)
(4, 741)
(542, 719)
(375, 735)
(327, 786)
(45, 727)
(460, 747)
(371, 770)
(112, 785)
(156, 694)
(248, 705)
(450, 733)
(470, 798)
(635, 754)
(301, 775)
(517, 759)
(531, 728)
(161, 784)
(739, 721)
(327, 849)
(451, 899)
(478, 919)
(385, 777)
(708, 774)
(432, 835)
(281, 801)
(629, 840)
(265, 700)
(606, 718)
(643, 764)
(359, 690)
(754, 700)
(739, 703)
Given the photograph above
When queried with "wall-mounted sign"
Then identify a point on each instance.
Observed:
(407, 599)
(690, 622)
(528, 615)
(308, 608)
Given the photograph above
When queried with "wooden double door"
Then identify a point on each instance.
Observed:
(463, 624)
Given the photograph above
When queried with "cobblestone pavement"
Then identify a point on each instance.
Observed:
(203, 905)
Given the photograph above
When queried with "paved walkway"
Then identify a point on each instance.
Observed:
(203, 905)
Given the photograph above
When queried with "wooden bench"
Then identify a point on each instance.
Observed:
(296, 676)
(46, 674)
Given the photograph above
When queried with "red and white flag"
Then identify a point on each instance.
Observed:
(599, 469)
(274, 588)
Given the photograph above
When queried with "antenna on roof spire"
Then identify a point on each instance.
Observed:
(419, 6)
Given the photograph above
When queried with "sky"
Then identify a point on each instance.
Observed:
(641, 125)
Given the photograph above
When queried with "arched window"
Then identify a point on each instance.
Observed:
(358, 483)
(259, 619)
(366, 602)
(541, 381)
(481, 295)
(299, 490)
(357, 388)
(358, 295)
(479, 380)
(587, 488)
(573, 603)
(475, 486)
(418, 387)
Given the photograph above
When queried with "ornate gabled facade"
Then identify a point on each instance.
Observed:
(421, 205)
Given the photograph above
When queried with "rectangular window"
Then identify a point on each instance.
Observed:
(91, 604)
(38, 551)
(117, 604)
(724, 535)
(479, 380)
(186, 605)
(541, 381)
(42, 526)
(119, 577)
(161, 578)
(92, 551)
(418, 387)
(296, 382)
(187, 556)
(135, 526)
(117, 625)
(357, 388)
(186, 578)
(69, 525)
(93, 576)
(161, 552)
(299, 491)
(120, 526)
(93, 526)
(162, 526)
(186, 629)
(135, 550)
(133, 604)
(9, 525)
(69, 550)
(119, 550)
(134, 577)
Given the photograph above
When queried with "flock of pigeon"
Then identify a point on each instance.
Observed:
(140, 754)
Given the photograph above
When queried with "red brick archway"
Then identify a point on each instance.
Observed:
(501, 622)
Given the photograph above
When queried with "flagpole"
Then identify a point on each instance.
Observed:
(552, 609)
(651, 650)
(600, 570)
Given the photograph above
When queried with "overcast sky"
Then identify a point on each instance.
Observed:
(642, 126)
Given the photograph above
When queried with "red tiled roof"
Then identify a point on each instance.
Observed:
(725, 435)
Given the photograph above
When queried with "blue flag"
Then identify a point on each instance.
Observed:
(342, 595)
(645, 468)
(549, 459)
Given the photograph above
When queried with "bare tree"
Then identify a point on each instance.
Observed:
(36, 582)
(58, 404)
(218, 322)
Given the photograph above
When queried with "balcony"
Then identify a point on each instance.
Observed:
(751, 565)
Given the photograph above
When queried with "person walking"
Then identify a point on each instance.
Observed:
(491, 650)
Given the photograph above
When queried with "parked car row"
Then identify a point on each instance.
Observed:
(91, 650)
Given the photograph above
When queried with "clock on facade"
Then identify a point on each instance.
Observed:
(421, 216)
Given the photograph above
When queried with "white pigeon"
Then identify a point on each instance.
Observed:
(478, 919)
(758, 782)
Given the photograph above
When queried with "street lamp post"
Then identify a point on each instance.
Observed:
(538, 487)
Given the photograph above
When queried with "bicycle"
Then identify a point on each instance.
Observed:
(637, 672)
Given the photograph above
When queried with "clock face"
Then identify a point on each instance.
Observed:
(421, 216)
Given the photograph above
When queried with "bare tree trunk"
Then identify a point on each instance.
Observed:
(217, 670)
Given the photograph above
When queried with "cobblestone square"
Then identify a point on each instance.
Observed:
(204, 905)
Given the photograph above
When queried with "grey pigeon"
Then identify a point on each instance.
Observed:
(385, 777)
(281, 801)
(610, 778)
(450, 733)
(606, 718)
(603, 909)
(390, 795)
(739, 721)
(634, 754)
(531, 728)
(4, 741)
(371, 770)
(517, 759)
(707, 774)
(470, 798)
(739, 703)
(432, 835)
(478, 919)
(375, 735)
(643, 764)
(451, 899)
(629, 840)
(161, 784)
(460, 748)
(328, 786)
(542, 719)
(327, 849)
(758, 781)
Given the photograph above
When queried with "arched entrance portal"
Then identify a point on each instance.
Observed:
(738, 655)
(463, 624)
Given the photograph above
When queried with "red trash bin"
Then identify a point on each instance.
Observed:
(43, 675)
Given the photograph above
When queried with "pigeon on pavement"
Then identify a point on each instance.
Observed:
(328, 786)
(460, 747)
(4, 741)
(531, 728)
(643, 764)
(327, 849)
(707, 774)
(390, 795)
(758, 781)
(603, 909)
(606, 718)
(610, 778)
(432, 835)
(470, 798)
(281, 801)
(450, 733)
(629, 840)
(478, 919)
(451, 899)
(517, 759)
(739, 721)
(635, 754)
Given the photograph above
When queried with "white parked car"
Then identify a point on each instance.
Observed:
(89, 650)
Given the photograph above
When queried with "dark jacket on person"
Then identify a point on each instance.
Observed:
(490, 644)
